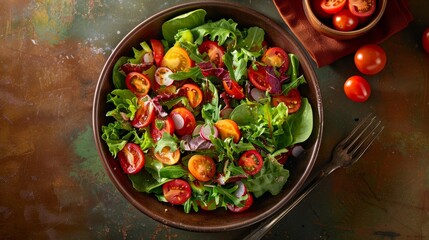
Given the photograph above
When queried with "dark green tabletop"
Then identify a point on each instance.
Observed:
(53, 185)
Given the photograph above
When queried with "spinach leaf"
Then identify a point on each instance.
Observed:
(188, 20)
(301, 122)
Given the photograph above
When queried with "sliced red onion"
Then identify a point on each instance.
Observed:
(297, 150)
(241, 190)
(148, 58)
(257, 94)
(178, 120)
(207, 131)
(162, 76)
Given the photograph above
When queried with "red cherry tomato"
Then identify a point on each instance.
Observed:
(276, 57)
(184, 121)
(251, 161)
(247, 203)
(344, 20)
(214, 52)
(145, 114)
(425, 40)
(233, 89)
(138, 83)
(161, 125)
(202, 167)
(131, 158)
(158, 51)
(318, 11)
(362, 8)
(370, 59)
(357, 89)
(332, 6)
(292, 100)
(176, 191)
(258, 77)
(194, 94)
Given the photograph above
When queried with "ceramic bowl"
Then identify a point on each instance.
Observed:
(325, 27)
(218, 220)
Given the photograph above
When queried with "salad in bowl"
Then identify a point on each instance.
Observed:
(208, 116)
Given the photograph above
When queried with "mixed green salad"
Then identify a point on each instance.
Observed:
(207, 116)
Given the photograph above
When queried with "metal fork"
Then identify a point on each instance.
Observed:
(345, 154)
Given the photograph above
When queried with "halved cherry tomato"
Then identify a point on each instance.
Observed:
(258, 77)
(292, 100)
(370, 59)
(251, 161)
(228, 128)
(158, 51)
(176, 59)
(184, 123)
(176, 191)
(131, 158)
(202, 167)
(332, 6)
(145, 114)
(233, 89)
(362, 8)
(344, 20)
(318, 11)
(168, 157)
(276, 57)
(161, 125)
(194, 94)
(138, 83)
(425, 40)
(214, 52)
(357, 89)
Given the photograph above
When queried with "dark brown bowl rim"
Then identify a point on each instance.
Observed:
(312, 155)
(343, 35)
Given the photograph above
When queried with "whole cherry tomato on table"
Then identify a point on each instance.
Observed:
(357, 89)
(370, 59)
(425, 40)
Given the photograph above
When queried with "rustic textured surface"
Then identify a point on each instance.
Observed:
(52, 184)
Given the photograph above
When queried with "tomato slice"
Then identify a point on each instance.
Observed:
(161, 125)
(138, 83)
(247, 203)
(145, 114)
(202, 167)
(258, 77)
(292, 100)
(228, 128)
(214, 52)
(332, 6)
(176, 59)
(184, 121)
(158, 51)
(194, 94)
(251, 161)
(131, 158)
(233, 89)
(362, 8)
(168, 157)
(276, 57)
(176, 191)
(344, 20)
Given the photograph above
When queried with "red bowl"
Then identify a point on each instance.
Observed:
(218, 220)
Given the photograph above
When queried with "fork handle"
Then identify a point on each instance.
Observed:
(266, 225)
